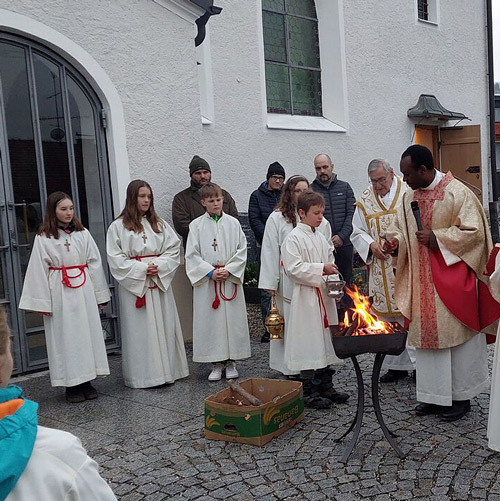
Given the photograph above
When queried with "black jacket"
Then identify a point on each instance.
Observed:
(262, 203)
(339, 206)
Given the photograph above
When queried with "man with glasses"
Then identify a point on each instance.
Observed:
(339, 209)
(375, 212)
(262, 203)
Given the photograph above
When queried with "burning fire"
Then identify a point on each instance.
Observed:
(367, 323)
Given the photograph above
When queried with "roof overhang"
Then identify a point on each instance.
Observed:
(429, 107)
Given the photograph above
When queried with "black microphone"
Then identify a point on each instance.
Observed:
(416, 212)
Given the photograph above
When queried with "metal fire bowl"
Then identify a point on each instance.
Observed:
(388, 344)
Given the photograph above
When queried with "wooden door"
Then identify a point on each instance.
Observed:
(427, 135)
(461, 154)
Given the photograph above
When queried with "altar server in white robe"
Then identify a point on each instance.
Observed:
(307, 257)
(375, 211)
(39, 463)
(216, 254)
(143, 256)
(272, 277)
(66, 283)
(494, 413)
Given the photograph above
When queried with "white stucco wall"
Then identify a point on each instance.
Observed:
(149, 55)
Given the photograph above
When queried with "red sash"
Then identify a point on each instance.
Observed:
(216, 301)
(466, 297)
(66, 279)
(141, 301)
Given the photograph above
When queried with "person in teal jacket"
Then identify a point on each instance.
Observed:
(38, 463)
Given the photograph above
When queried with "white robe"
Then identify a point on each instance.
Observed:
(494, 413)
(218, 334)
(308, 343)
(73, 333)
(272, 276)
(153, 350)
(60, 470)
(362, 237)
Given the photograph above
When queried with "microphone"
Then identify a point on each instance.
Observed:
(416, 213)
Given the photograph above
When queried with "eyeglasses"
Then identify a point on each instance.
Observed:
(380, 180)
(278, 178)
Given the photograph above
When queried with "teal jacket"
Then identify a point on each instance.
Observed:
(18, 427)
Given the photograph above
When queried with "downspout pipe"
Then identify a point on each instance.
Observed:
(495, 192)
(201, 22)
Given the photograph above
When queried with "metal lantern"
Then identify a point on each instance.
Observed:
(275, 323)
(335, 286)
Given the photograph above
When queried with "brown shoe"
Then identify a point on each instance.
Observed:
(74, 394)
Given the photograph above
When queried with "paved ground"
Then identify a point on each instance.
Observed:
(150, 446)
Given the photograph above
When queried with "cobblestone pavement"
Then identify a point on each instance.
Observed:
(150, 446)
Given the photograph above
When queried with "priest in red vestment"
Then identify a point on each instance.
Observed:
(443, 242)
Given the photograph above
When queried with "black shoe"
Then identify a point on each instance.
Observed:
(392, 376)
(458, 410)
(313, 397)
(265, 338)
(74, 394)
(89, 391)
(337, 397)
(429, 409)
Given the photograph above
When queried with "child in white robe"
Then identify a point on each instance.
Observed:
(272, 277)
(65, 282)
(143, 256)
(216, 254)
(307, 256)
(37, 462)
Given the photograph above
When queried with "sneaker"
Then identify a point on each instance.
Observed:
(216, 374)
(231, 372)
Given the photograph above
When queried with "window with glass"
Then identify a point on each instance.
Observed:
(292, 58)
(423, 9)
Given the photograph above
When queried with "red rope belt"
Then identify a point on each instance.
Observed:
(141, 301)
(66, 279)
(216, 301)
(322, 307)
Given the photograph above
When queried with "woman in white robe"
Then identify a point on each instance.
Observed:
(65, 282)
(143, 256)
(272, 277)
(220, 327)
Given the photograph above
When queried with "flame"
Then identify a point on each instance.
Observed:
(367, 322)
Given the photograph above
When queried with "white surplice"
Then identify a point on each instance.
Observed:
(152, 344)
(494, 413)
(60, 470)
(73, 333)
(308, 343)
(218, 334)
(272, 277)
(371, 218)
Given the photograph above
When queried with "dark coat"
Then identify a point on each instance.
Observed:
(339, 206)
(262, 203)
(186, 207)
